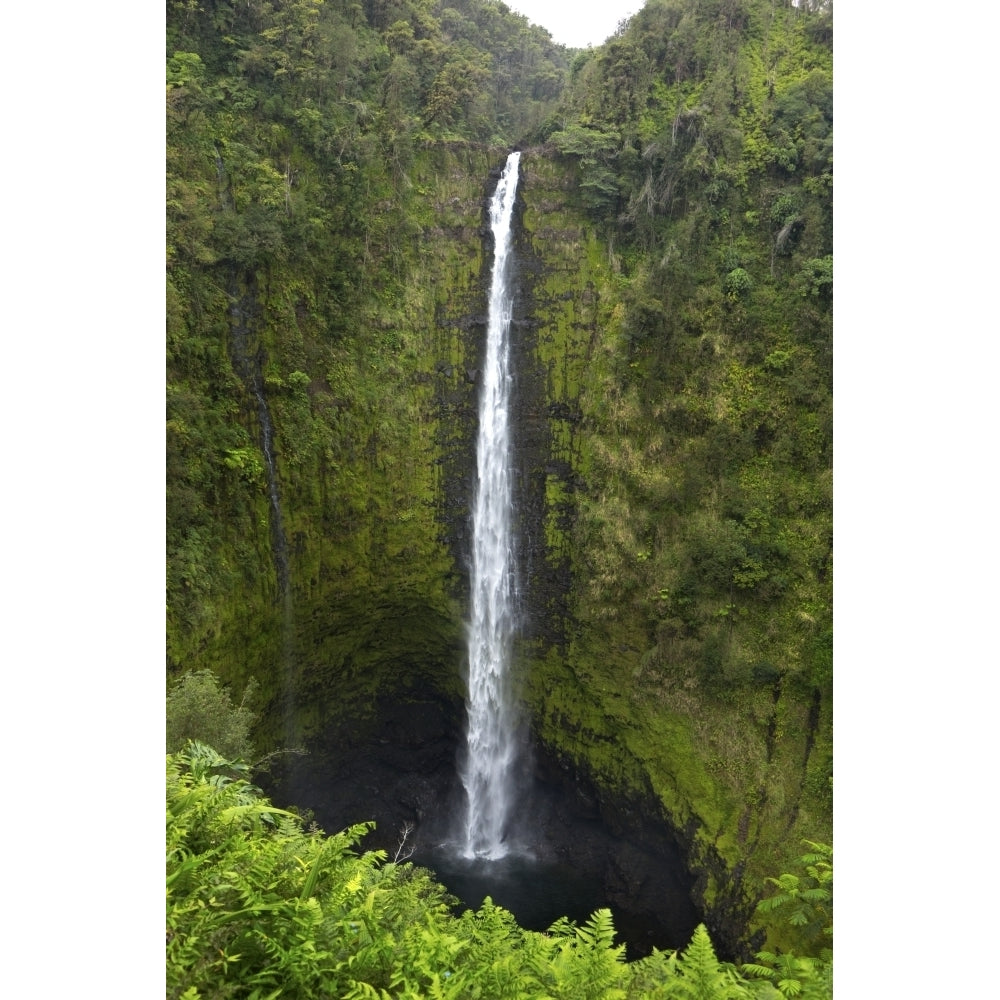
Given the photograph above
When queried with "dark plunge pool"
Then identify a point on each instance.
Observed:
(576, 850)
(537, 892)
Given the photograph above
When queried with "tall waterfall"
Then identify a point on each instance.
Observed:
(491, 750)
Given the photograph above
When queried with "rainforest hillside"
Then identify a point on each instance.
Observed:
(327, 167)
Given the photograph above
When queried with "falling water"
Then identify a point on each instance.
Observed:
(487, 769)
(247, 365)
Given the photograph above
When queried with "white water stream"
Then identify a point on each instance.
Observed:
(491, 749)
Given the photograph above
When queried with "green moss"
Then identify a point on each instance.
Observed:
(627, 698)
(359, 437)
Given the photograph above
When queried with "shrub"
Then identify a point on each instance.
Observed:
(199, 709)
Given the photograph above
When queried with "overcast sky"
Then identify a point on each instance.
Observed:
(577, 23)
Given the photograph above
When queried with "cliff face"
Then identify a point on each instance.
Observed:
(353, 483)
(343, 519)
(361, 504)
(368, 465)
(617, 689)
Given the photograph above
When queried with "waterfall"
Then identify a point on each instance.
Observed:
(491, 736)
(277, 528)
(242, 318)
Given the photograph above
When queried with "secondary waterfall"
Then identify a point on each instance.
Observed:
(248, 366)
(491, 747)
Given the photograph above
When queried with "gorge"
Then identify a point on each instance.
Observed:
(534, 842)
(330, 169)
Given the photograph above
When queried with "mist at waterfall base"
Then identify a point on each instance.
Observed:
(567, 856)
(577, 848)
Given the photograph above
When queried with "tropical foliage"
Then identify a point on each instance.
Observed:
(198, 708)
(258, 906)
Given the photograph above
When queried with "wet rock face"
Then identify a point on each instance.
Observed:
(637, 859)
(543, 578)
(399, 769)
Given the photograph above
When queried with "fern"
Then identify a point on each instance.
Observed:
(562, 928)
(247, 815)
(258, 911)
(806, 902)
(363, 991)
(793, 976)
(581, 963)
(701, 976)
(599, 932)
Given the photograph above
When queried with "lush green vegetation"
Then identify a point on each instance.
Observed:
(199, 709)
(326, 165)
(258, 906)
(700, 621)
(324, 171)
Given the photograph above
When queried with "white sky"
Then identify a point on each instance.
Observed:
(577, 23)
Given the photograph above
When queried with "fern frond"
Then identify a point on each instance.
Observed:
(816, 896)
(563, 927)
(704, 976)
(599, 930)
(255, 812)
(771, 903)
(824, 851)
(790, 987)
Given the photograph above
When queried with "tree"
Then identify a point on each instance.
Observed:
(597, 150)
(738, 284)
(816, 277)
(198, 709)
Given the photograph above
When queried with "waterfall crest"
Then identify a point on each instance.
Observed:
(491, 735)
